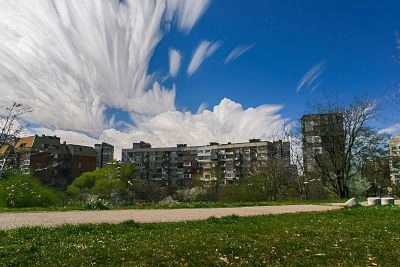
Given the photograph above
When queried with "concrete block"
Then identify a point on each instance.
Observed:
(374, 201)
(387, 201)
(351, 202)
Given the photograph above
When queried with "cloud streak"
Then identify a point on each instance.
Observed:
(73, 61)
(392, 130)
(186, 13)
(226, 122)
(237, 52)
(308, 80)
(174, 62)
(204, 50)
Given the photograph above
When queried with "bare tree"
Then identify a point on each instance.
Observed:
(10, 128)
(342, 140)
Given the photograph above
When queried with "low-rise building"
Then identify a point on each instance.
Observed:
(54, 163)
(83, 159)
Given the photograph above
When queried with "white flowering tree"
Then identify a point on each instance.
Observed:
(11, 126)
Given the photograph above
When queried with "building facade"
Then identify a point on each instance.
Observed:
(321, 133)
(179, 166)
(83, 159)
(105, 154)
(54, 163)
(394, 159)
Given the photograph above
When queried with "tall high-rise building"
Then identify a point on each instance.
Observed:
(394, 158)
(105, 154)
(321, 134)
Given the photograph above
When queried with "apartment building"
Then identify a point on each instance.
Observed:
(178, 166)
(321, 133)
(105, 154)
(54, 163)
(83, 159)
(394, 159)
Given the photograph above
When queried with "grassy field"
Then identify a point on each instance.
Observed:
(359, 236)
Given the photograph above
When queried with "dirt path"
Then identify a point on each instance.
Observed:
(11, 220)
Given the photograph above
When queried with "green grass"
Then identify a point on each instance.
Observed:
(359, 236)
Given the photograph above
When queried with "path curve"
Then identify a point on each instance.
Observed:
(12, 220)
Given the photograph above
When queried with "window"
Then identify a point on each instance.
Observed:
(313, 139)
(308, 126)
(318, 150)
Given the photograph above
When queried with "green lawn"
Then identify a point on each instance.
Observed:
(359, 236)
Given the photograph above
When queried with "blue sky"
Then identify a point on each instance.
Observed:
(352, 41)
(173, 71)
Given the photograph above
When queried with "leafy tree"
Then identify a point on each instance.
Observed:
(358, 186)
(112, 183)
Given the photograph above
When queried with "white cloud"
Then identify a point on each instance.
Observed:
(310, 77)
(73, 60)
(226, 122)
(186, 13)
(392, 130)
(70, 137)
(204, 50)
(237, 52)
(174, 62)
(201, 108)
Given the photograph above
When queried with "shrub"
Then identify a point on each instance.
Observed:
(21, 191)
(97, 205)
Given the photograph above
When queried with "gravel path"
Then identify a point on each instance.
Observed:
(11, 220)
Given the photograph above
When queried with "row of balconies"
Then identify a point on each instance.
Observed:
(159, 155)
(199, 158)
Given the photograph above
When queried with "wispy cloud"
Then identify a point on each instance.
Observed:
(71, 61)
(392, 130)
(237, 52)
(186, 13)
(308, 80)
(226, 122)
(174, 62)
(203, 51)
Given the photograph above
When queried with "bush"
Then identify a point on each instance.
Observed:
(97, 205)
(22, 191)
